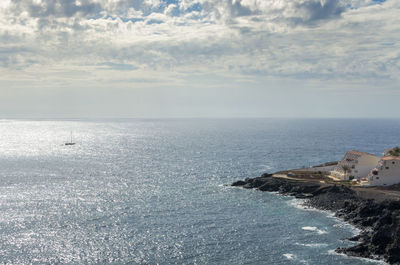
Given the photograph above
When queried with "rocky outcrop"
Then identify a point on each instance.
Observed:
(379, 221)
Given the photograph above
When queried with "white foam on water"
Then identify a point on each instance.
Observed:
(313, 245)
(333, 252)
(313, 228)
(299, 204)
(289, 256)
(347, 226)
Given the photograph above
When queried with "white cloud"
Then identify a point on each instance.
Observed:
(330, 39)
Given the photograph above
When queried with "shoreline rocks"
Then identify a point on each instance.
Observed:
(379, 221)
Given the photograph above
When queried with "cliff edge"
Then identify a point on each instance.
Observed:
(375, 211)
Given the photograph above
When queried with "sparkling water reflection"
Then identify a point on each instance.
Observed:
(152, 191)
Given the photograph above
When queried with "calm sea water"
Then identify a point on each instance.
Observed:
(152, 191)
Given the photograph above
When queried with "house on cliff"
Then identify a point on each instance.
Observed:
(355, 165)
(392, 152)
(387, 172)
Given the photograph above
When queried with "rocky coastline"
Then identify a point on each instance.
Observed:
(375, 212)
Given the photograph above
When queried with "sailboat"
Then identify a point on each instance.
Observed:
(71, 142)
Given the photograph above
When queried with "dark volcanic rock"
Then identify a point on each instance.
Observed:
(332, 197)
(248, 186)
(266, 175)
(303, 195)
(379, 221)
(251, 183)
(355, 238)
(239, 183)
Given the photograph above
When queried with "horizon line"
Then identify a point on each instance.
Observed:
(18, 117)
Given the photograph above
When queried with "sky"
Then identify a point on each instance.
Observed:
(200, 58)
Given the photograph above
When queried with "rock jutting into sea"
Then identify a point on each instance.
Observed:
(373, 210)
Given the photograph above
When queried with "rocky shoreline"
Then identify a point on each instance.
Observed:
(377, 216)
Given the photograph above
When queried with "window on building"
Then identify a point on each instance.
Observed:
(353, 166)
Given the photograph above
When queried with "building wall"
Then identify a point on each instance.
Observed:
(360, 166)
(388, 174)
(368, 160)
(361, 171)
(364, 166)
(349, 160)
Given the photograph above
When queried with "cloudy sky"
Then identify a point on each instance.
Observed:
(199, 58)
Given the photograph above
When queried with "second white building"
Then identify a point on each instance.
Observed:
(387, 172)
(355, 165)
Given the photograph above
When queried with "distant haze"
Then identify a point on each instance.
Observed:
(199, 58)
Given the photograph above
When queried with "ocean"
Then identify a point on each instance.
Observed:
(136, 191)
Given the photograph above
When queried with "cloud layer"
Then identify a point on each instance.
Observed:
(353, 40)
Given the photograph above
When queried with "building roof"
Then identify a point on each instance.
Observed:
(355, 152)
(390, 158)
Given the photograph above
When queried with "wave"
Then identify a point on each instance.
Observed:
(299, 204)
(333, 252)
(291, 256)
(313, 245)
(313, 228)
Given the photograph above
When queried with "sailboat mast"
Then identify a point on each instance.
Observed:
(70, 143)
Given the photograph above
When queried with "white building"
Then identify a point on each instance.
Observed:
(387, 172)
(386, 152)
(358, 165)
(391, 151)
